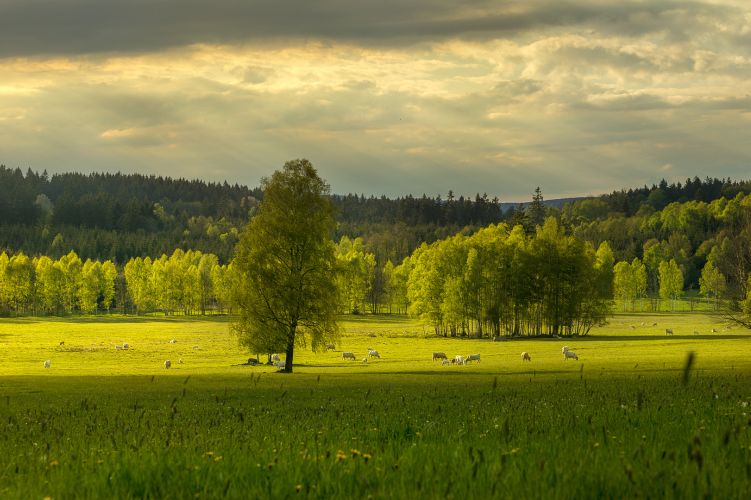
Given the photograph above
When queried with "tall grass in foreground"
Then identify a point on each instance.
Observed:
(441, 435)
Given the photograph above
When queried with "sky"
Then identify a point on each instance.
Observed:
(387, 97)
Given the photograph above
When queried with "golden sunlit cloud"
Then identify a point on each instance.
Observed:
(492, 107)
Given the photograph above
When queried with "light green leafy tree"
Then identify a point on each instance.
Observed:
(397, 285)
(71, 266)
(107, 285)
(639, 278)
(4, 287)
(671, 281)
(51, 285)
(712, 283)
(355, 276)
(89, 286)
(622, 287)
(138, 277)
(286, 266)
(223, 284)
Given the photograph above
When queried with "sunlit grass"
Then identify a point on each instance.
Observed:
(103, 422)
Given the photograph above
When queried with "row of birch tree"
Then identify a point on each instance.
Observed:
(630, 283)
(186, 282)
(502, 281)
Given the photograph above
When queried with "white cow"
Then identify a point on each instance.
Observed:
(445, 362)
(349, 355)
(373, 353)
(48, 363)
(167, 363)
(526, 356)
(275, 357)
(668, 331)
(280, 364)
(460, 360)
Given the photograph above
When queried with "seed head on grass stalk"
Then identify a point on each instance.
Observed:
(687, 367)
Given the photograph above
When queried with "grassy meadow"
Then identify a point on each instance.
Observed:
(621, 422)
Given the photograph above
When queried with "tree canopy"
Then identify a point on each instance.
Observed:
(286, 266)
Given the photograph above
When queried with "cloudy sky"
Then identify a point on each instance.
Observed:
(384, 97)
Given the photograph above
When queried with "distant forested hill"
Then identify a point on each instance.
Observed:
(119, 216)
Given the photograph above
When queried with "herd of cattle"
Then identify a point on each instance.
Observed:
(445, 360)
(372, 353)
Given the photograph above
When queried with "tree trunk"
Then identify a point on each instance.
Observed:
(290, 349)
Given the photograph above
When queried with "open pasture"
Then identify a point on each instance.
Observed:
(106, 422)
(629, 344)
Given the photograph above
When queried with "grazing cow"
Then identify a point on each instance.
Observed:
(668, 331)
(330, 347)
(126, 346)
(460, 360)
(696, 332)
(173, 341)
(364, 360)
(373, 353)
(526, 356)
(445, 362)
(372, 335)
(714, 330)
(48, 363)
(280, 364)
(348, 355)
(570, 354)
(168, 364)
(473, 357)
(439, 355)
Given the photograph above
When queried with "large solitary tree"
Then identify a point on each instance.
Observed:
(286, 266)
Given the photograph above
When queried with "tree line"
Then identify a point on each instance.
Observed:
(498, 280)
(185, 282)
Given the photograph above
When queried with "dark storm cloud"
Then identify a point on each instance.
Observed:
(47, 27)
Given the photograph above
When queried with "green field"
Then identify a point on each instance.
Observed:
(620, 422)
